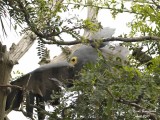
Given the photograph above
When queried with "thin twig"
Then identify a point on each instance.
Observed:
(12, 86)
(142, 112)
(137, 106)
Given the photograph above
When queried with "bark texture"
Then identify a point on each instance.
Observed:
(5, 70)
(7, 61)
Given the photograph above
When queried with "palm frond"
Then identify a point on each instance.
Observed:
(2, 17)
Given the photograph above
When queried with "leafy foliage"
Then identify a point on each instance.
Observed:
(110, 91)
(41, 49)
(44, 19)
(2, 16)
(106, 90)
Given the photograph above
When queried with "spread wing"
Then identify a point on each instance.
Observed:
(41, 81)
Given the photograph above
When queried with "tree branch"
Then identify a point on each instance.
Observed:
(137, 106)
(5, 70)
(156, 4)
(17, 51)
(102, 7)
(134, 39)
(12, 86)
(142, 111)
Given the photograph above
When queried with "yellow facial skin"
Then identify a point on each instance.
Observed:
(73, 61)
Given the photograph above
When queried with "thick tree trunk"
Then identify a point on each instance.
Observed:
(7, 61)
(5, 70)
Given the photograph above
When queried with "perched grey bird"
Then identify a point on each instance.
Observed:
(41, 82)
(103, 33)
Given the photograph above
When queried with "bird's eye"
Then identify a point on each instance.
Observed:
(73, 60)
